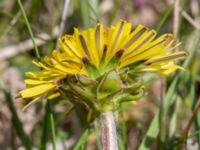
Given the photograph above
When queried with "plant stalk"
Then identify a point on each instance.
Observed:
(189, 125)
(108, 129)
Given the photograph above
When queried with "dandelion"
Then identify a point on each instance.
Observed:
(100, 67)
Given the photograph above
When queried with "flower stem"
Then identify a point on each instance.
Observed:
(29, 28)
(52, 125)
(109, 135)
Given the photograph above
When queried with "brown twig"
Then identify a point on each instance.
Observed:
(190, 20)
(26, 45)
(189, 125)
(176, 17)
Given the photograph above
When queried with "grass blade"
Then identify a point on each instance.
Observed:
(48, 118)
(79, 145)
(165, 17)
(16, 121)
(85, 13)
(29, 28)
(52, 126)
(44, 136)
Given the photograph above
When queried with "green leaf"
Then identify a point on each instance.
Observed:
(85, 80)
(44, 136)
(110, 83)
(16, 121)
(84, 92)
(52, 124)
(91, 69)
(165, 17)
(83, 139)
(115, 60)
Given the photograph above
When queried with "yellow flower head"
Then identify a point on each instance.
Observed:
(96, 51)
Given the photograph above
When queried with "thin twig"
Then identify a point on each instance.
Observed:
(194, 6)
(190, 20)
(176, 17)
(63, 19)
(189, 125)
(26, 45)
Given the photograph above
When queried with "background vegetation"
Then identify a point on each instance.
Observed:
(161, 120)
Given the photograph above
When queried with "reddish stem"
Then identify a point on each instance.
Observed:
(109, 135)
(189, 125)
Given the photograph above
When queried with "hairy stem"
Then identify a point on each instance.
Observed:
(109, 135)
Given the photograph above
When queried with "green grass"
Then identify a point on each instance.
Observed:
(16, 121)
(29, 28)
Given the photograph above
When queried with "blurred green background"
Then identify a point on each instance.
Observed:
(158, 121)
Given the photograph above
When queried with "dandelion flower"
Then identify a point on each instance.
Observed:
(97, 64)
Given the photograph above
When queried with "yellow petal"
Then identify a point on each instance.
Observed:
(140, 40)
(120, 33)
(34, 82)
(100, 39)
(40, 75)
(78, 45)
(68, 44)
(154, 49)
(36, 90)
(171, 69)
(39, 64)
(30, 103)
(166, 58)
(54, 95)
